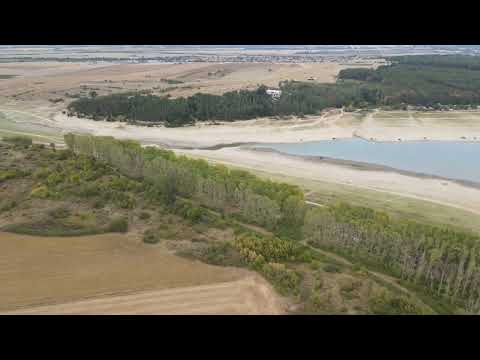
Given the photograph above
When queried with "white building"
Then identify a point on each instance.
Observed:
(274, 93)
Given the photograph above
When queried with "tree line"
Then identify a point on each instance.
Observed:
(266, 203)
(446, 262)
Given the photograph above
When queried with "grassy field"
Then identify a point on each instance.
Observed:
(22, 124)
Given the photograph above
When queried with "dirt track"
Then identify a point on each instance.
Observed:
(246, 296)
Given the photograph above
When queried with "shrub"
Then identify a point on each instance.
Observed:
(271, 248)
(18, 140)
(11, 174)
(99, 203)
(189, 212)
(332, 268)
(119, 225)
(385, 303)
(223, 254)
(151, 237)
(8, 205)
(59, 213)
(144, 215)
(40, 192)
(286, 281)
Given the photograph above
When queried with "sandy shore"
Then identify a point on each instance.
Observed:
(332, 124)
(440, 191)
(379, 126)
(358, 165)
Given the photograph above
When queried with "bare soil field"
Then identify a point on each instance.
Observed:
(47, 80)
(126, 276)
(248, 296)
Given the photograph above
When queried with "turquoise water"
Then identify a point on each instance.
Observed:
(455, 160)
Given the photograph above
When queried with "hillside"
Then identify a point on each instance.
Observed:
(251, 223)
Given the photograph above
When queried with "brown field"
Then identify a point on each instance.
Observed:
(42, 81)
(247, 296)
(118, 274)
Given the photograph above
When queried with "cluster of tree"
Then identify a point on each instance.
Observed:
(263, 202)
(82, 176)
(422, 80)
(412, 80)
(444, 260)
(256, 248)
(232, 105)
(454, 61)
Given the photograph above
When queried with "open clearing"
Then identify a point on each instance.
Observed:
(93, 274)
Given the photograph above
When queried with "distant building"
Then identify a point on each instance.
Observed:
(274, 93)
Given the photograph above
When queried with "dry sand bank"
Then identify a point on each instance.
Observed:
(332, 124)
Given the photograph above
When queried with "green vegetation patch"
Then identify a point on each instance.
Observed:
(18, 140)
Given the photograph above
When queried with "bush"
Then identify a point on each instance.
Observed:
(144, 215)
(286, 281)
(18, 140)
(151, 237)
(332, 268)
(10, 204)
(11, 174)
(385, 303)
(59, 213)
(189, 212)
(271, 248)
(223, 254)
(40, 192)
(119, 225)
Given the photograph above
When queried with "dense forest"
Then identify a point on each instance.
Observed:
(423, 80)
(443, 261)
(409, 80)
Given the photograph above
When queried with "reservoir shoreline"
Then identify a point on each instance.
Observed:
(363, 166)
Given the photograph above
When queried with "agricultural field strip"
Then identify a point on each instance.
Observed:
(215, 298)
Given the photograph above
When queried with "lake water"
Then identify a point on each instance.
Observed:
(455, 160)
